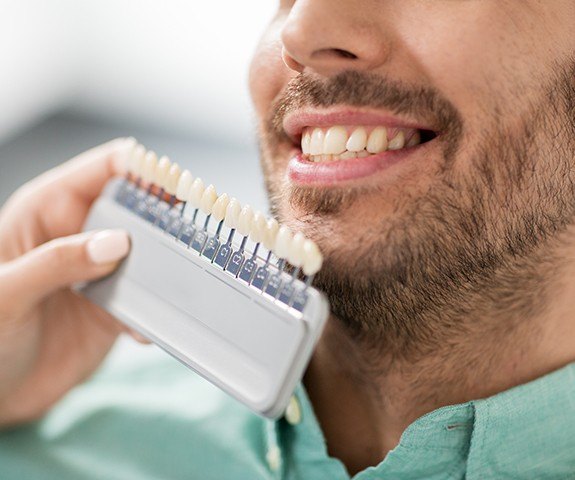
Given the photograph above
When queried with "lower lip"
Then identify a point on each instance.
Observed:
(305, 172)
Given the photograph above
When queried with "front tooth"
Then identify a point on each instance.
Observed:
(150, 164)
(173, 179)
(397, 142)
(196, 193)
(184, 185)
(326, 158)
(208, 199)
(219, 207)
(258, 227)
(245, 220)
(312, 258)
(270, 233)
(334, 141)
(283, 242)
(296, 253)
(362, 154)
(305, 143)
(357, 140)
(162, 170)
(377, 141)
(316, 144)
(232, 213)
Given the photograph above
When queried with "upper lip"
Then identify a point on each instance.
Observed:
(296, 121)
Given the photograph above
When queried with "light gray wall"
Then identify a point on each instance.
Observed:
(180, 65)
(230, 168)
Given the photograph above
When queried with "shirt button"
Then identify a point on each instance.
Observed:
(274, 458)
(293, 411)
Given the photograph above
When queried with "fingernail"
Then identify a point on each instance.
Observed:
(108, 246)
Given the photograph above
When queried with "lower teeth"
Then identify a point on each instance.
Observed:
(333, 158)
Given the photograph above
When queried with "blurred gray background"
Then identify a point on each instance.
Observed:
(172, 73)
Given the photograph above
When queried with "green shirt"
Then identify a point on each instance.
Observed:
(154, 419)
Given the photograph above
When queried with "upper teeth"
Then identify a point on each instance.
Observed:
(342, 143)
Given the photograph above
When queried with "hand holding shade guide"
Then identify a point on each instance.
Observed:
(208, 281)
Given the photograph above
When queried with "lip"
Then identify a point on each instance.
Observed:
(304, 172)
(295, 122)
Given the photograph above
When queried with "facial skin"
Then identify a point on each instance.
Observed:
(460, 254)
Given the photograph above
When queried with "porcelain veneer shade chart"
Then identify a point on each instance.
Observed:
(221, 287)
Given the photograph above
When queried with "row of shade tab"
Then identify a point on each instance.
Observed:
(146, 169)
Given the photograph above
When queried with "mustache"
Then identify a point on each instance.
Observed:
(362, 89)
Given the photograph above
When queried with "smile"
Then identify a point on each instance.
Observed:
(358, 145)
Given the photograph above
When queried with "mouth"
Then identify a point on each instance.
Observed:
(340, 146)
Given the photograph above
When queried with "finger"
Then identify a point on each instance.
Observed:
(138, 337)
(67, 191)
(86, 174)
(62, 262)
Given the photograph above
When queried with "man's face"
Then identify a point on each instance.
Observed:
(453, 220)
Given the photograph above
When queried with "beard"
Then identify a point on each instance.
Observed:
(475, 254)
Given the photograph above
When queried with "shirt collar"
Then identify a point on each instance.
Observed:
(528, 431)
(525, 432)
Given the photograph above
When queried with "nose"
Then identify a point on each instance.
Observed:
(327, 37)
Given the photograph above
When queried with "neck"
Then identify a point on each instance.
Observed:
(359, 394)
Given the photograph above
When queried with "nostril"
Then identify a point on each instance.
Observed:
(344, 53)
(333, 53)
(291, 62)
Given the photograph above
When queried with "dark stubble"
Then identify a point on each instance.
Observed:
(476, 253)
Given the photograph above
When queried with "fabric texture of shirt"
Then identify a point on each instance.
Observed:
(153, 419)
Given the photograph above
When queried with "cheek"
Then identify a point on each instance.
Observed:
(481, 65)
(440, 51)
(268, 74)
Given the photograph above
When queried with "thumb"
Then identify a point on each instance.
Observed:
(62, 262)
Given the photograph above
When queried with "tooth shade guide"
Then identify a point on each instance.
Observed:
(280, 276)
(270, 233)
(136, 164)
(247, 342)
(161, 172)
(245, 220)
(219, 229)
(278, 314)
(208, 200)
(166, 185)
(233, 211)
(196, 192)
(133, 174)
(149, 167)
(173, 178)
(136, 160)
(184, 185)
(159, 194)
(220, 207)
(258, 227)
